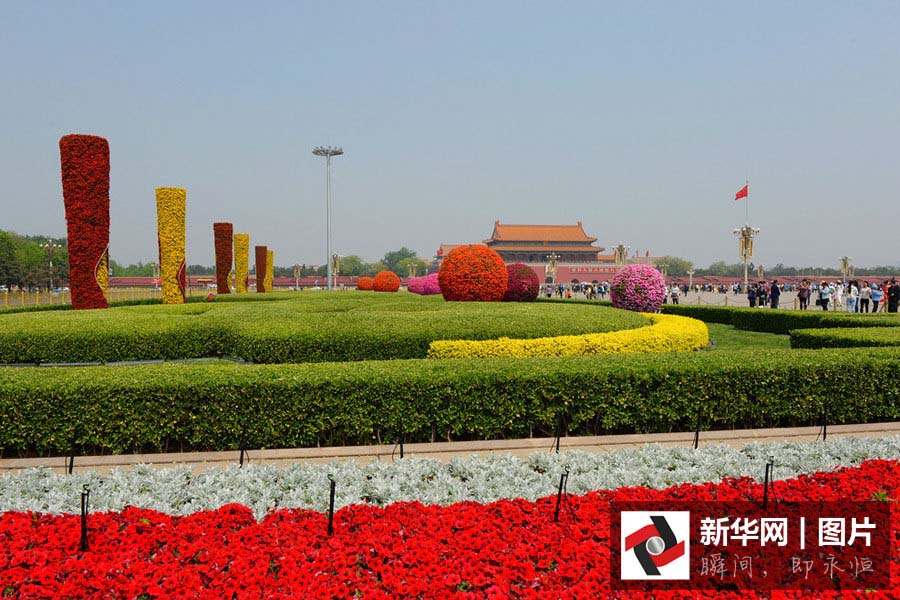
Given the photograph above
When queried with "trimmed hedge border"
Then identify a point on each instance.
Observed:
(846, 338)
(205, 406)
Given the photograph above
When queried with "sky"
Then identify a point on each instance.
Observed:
(640, 119)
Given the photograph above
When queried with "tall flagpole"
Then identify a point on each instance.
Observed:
(747, 204)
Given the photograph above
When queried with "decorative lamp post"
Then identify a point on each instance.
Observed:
(621, 254)
(745, 248)
(846, 266)
(328, 152)
(335, 265)
(50, 246)
(664, 269)
(297, 277)
(552, 260)
(412, 268)
(690, 278)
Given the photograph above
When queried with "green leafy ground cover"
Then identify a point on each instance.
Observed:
(304, 327)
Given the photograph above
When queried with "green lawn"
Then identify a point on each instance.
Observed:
(727, 337)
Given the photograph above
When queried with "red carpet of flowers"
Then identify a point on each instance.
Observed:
(507, 549)
(85, 183)
(222, 238)
(473, 273)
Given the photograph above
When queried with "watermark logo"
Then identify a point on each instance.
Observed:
(655, 545)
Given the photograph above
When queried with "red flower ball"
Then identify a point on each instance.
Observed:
(386, 281)
(523, 285)
(365, 284)
(473, 273)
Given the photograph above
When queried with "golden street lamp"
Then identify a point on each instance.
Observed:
(552, 260)
(745, 248)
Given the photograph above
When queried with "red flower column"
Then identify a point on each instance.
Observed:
(222, 235)
(262, 256)
(85, 183)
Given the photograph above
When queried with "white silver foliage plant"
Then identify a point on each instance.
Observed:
(481, 479)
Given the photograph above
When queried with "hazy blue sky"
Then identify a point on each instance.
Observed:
(641, 119)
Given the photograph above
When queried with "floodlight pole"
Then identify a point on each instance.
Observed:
(328, 152)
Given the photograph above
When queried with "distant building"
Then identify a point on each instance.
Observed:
(534, 243)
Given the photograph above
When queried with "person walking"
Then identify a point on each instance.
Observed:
(676, 291)
(893, 296)
(803, 294)
(852, 296)
(762, 292)
(837, 295)
(877, 296)
(865, 294)
(751, 295)
(824, 295)
(774, 294)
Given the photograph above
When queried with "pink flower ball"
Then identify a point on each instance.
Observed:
(638, 287)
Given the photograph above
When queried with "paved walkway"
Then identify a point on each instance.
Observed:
(445, 451)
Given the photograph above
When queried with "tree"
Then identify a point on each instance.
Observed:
(677, 267)
(7, 259)
(404, 265)
(392, 258)
(352, 265)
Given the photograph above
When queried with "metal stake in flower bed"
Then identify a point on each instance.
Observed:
(331, 506)
(85, 498)
(770, 475)
(243, 444)
(563, 480)
(697, 427)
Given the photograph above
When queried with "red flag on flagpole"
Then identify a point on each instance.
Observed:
(743, 192)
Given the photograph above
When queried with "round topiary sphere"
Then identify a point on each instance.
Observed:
(523, 284)
(416, 285)
(365, 284)
(473, 273)
(638, 287)
(386, 281)
(431, 286)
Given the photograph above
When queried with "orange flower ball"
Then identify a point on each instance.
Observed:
(386, 281)
(365, 284)
(473, 273)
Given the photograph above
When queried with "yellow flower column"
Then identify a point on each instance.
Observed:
(241, 261)
(270, 269)
(170, 215)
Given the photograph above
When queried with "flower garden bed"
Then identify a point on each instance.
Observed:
(262, 488)
(506, 549)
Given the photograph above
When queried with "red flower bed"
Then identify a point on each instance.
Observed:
(523, 284)
(223, 234)
(507, 549)
(386, 281)
(262, 257)
(365, 284)
(85, 183)
(473, 273)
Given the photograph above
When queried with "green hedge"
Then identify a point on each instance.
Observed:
(779, 321)
(205, 406)
(845, 338)
(313, 327)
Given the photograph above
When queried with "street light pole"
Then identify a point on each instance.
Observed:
(50, 246)
(328, 152)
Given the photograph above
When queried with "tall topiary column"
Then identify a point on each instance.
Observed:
(241, 262)
(222, 237)
(270, 269)
(262, 253)
(85, 181)
(170, 216)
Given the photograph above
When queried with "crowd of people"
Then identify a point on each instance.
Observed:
(853, 296)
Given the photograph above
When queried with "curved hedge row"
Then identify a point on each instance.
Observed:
(780, 321)
(666, 333)
(314, 328)
(205, 406)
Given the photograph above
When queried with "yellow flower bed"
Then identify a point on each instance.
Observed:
(666, 333)
(241, 261)
(270, 269)
(170, 215)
